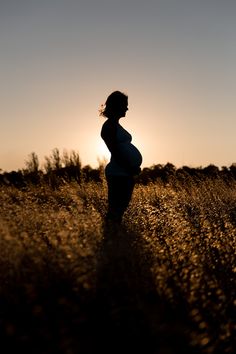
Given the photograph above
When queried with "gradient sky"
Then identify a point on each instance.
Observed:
(175, 59)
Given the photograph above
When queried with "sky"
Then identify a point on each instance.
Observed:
(175, 59)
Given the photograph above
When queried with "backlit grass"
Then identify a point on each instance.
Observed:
(162, 282)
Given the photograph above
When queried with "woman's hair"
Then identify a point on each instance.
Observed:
(113, 103)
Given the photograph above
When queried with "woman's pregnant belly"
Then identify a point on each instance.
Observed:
(129, 153)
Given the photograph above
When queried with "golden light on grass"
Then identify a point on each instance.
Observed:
(176, 243)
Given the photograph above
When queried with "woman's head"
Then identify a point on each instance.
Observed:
(115, 106)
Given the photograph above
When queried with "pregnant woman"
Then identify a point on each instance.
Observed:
(125, 159)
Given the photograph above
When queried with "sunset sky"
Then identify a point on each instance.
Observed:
(175, 59)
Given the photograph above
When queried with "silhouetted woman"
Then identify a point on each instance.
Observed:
(125, 159)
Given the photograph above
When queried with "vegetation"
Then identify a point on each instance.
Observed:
(60, 169)
(162, 282)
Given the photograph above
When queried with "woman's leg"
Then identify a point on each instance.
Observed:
(120, 189)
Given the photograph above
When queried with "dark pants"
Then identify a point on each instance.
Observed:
(120, 189)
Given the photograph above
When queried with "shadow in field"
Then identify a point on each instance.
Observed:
(48, 309)
(41, 312)
(129, 315)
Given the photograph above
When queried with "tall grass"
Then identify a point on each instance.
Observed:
(162, 282)
(190, 235)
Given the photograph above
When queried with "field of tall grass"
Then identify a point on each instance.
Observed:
(163, 282)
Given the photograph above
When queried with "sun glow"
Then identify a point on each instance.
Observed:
(103, 154)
